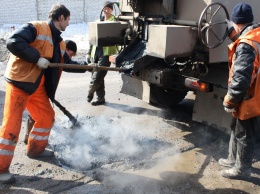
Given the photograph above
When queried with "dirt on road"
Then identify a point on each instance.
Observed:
(125, 146)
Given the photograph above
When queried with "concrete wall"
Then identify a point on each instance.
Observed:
(22, 11)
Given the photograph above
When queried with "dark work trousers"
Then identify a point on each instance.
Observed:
(242, 142)
(97, 83)
(257, 129)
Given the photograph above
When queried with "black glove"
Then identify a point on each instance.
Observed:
(88, 58)
(83, 63)
(230, 27)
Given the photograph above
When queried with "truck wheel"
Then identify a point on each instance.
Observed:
(165, 97)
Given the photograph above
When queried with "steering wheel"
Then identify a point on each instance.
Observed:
(208, 29)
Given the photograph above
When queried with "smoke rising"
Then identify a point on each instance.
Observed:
(102, 140)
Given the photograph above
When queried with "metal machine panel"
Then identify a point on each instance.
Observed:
(191, 10)
(171, 41)
(136, 88)
(208, 109)
(208, 106)
(106, 33)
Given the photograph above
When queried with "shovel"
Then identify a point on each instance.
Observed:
(72, 119)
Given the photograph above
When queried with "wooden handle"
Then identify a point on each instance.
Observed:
(87, 67)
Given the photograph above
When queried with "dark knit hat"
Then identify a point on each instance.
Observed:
(71, 45)
(108, 4)
(242, 14)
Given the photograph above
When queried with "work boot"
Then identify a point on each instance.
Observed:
(226, 162)
(45, 153)
(6, 178)
(234, 173)
(98, 102)
(90, 97)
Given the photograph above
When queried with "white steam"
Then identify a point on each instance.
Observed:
(98, 140)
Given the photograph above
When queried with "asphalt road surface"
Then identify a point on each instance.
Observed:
(125, 146)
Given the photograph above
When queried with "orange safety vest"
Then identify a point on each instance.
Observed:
(20, 70)
(248, 108)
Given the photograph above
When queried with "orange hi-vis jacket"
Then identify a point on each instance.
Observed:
(250, 106)
(20, 70)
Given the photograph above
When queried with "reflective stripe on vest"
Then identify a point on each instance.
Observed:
(44, 38)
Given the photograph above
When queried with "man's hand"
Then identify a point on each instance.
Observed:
(43, 63)
(230, 26)
(229, 23)
(83, 63)
(229, 110)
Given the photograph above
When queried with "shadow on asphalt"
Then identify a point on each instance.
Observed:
(47, 185)
(181, 112)
(213, 142)
(171, 182)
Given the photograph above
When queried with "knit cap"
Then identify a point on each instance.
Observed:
(242, 14)
(108, 4)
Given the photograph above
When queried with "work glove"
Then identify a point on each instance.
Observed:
(229, 110)
(43, 63)
(230, 27)
(83, 63)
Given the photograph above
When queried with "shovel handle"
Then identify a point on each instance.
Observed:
(87, 67)
(66, 112)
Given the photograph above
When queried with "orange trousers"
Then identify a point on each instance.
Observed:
(39, 107)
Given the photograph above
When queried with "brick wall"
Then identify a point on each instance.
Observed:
(19, 12)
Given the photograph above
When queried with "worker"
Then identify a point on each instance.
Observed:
(243, 95)
(30, 84)
(100, 55)
(71, 50)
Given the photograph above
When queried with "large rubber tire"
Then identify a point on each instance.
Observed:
(164, 97)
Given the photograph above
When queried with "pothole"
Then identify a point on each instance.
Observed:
(100, 141)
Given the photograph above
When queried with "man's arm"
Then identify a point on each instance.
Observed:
(18, 43)
(67, 60)
(242, 75)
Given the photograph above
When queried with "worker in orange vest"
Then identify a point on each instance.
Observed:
(243, 96)
(30, 84)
